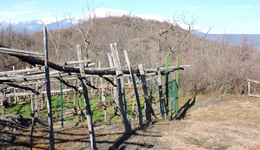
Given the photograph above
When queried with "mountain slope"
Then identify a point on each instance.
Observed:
(55, 23)
(233, 39)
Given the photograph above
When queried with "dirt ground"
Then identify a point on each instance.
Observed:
(233, 123)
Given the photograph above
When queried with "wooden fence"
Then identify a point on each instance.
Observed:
(249, 88)
(32, 81)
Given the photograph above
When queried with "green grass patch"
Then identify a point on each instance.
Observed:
(97, 109)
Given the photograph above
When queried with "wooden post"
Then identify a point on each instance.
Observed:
(15, 99)
(92, 83)
(48, 88)
(133, 106)
(167, 87)
(32, 105)
(177, 87)
(115, 94)
(4, 102)
(248, 83)
(61, 102)
(128, 81)
(105, 104)
(146, 97)
(86, 100)
(135, 88)
(18, 98)
(75, 111)
(36, 102)
(103, 98)
(162, 100)
(42, 100)
(121, 88)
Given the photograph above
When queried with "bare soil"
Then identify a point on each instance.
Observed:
(233, 123)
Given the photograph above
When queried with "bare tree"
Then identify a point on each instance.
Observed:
(86, 30)
(171, 45)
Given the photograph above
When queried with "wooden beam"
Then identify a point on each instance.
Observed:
(86, 99)
(75, 62)
(253, 81)
(160, 90)
(121, 88)
(48, 88)
(6, 50)
(115, 93)
(145, 94)
(135, 89)
(21, 71)
(254, 95)
(37, 102)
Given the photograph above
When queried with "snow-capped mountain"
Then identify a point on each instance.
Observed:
(54, 23)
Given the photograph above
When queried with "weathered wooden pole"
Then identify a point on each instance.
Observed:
(167, 87)
(37, 101)
(61, 102)
(42, 100)
(103, 98)
(9, 99)
(15, 98)
(86, 99)
(135, 88)
(32, 105)
(145, 93)
(115, 94)
(248, 84)
(74, 100)
(4, 102)
(177, 87)
(162, 100)
(18, 98)
(104, 103)
(48, 88)
(121, 88)
(92, 83)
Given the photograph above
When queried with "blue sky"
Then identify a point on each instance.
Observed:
(227, 16)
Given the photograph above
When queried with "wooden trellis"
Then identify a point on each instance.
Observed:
(113, 75)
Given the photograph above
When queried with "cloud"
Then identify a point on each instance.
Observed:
(256, 22)
(190, 8)
(250, 25)
(243, 7)
(12, 14)
(25, 5)
(247, 7)
(228, 6)
(19, 10)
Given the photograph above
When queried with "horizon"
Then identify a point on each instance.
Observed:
(232, 17)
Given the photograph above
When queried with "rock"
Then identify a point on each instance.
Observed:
(209, 102)
(98, 122)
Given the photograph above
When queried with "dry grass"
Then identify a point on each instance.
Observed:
(233, 124)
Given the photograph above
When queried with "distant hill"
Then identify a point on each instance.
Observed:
(233, 39)
(54, 23)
